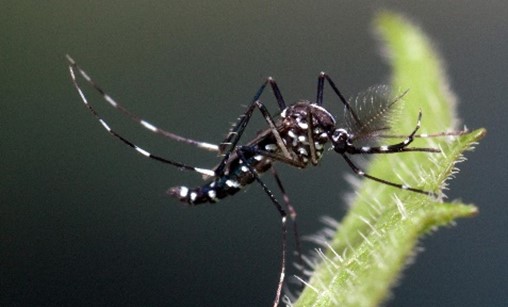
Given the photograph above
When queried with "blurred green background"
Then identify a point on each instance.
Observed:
(85, 221)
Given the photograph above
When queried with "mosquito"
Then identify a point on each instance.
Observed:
(296, 136)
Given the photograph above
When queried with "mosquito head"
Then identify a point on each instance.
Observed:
(340, 140)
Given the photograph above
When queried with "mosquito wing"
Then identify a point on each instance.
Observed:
(374, 109)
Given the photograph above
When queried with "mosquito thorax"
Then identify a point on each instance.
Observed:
(304, 130)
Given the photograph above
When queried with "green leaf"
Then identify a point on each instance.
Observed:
(377, 237)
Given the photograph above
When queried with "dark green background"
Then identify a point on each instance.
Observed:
(85, 220)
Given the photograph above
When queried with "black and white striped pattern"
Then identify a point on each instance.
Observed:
(73, 67)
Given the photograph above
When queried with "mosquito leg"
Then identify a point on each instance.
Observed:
(427, 135)
(310, 137)
(359, 172)
(283, 217)
(244, 118)
(275, 132)
(395, 147)
(271, 155)
(402, 146)
(387, 150)
(278, 95)
(319, 101)
(292, 214)
(229, 144)
(320, 87)
(140, 150)
(74, 66)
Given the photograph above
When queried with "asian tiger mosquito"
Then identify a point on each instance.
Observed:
(296, 136)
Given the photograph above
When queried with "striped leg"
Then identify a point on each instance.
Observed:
(229, 145)
(395, 148)
(283, 216)
(292, 215)
(402, 146)
(242, 121)
(319, 100)
(359, 172)
(115, 104)
(73, 66)
(427, 135)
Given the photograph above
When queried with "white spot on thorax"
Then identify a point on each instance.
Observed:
(303, 125)
(270, 147)
(292, 134)
(303, 151)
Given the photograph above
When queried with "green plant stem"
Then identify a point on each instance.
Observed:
(380, 231)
